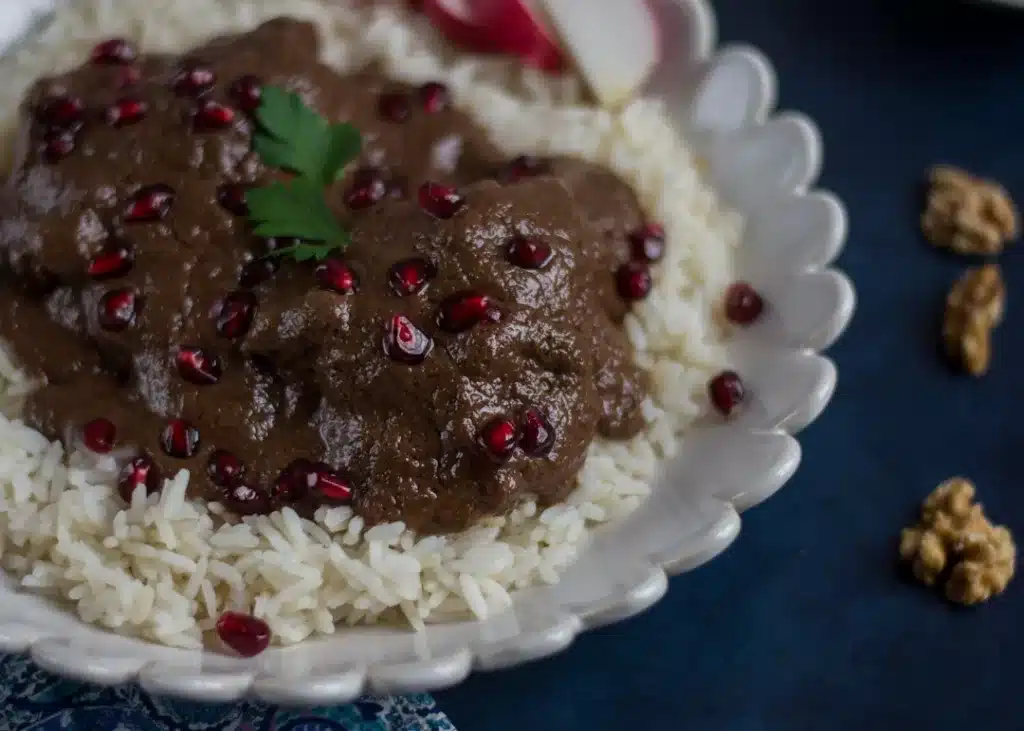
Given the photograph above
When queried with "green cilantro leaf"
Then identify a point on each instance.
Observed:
(296, 208)
(294, 137)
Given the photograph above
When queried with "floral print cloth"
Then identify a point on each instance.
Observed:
(32, 699)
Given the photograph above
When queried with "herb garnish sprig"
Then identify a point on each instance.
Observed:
(294, 137)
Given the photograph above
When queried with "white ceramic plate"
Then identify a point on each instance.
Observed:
(764, 164)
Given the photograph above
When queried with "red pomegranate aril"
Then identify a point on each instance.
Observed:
(211, 115)
(406, 343)
(440, 201)
(523, 166)
(113, 262)
(118, 309)
(394, 107)
(647, 243)
(231, 197)
(99, 435)
(536, 435)
(337, 276)
(498, 438)
(198, 366)
(194, 80)
(128, 76)
(367, 188)
(332, 486)
(62, 113)
(245, 499)
(235, 313)
(434, 97)
(633, 280)
(139, 471)
(295, 481)
(743, 304)
(410, 276)
(727, 392)
(114, 51)
(223, 468)
(125, 111)
(57, 146)
(246, 91)
(462, 311)
(243, 633)
(528, 252)
(179, 439)
(257, 271)
(150, 203)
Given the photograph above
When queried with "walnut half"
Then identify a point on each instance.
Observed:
(974, 306)
(967, 214)
(954, 542)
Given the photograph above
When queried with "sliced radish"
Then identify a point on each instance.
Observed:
(497, 26)
(615, 48)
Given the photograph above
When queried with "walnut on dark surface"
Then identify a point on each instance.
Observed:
(955, 545)
(974, 307)
(967, 215)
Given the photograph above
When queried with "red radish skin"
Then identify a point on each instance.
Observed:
(497, 26)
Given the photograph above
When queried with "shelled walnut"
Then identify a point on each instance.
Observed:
(955, 544)
(967, 214)
(974, 307)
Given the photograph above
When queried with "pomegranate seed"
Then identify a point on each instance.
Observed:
(633, 280)
(224, 468)
(150, 203)
(125, 111)
(246, 91)
(113, 262)
(727, 392)
(57, 146)
(114, 51)
(337, 276)
(194, 80)
(245, 499)
(743, 305)
(394, 107)
(405, 342)
(647, 243)
(179, 439)
(198, 366)
(140, 471)
(462, 311)
(498, 438)
(295, 481)
(257, 271)
(234, 314)
(231, 197)
(523, 166)
(332, 486)
(529, 253)
(211, 115)
(128, 76)
(62, 113)
(99, 435)
(536, 437)
(440, 201)
(367, 188)
(410, 276)
(434, 97)
(117, 309)
(243, 633)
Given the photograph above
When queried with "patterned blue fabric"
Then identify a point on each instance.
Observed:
(32, 699)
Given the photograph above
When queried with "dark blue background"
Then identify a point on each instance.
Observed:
(804, 623)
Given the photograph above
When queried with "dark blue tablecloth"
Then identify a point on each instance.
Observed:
(804, 623)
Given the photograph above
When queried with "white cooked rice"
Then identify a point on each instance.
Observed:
(162, 568)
